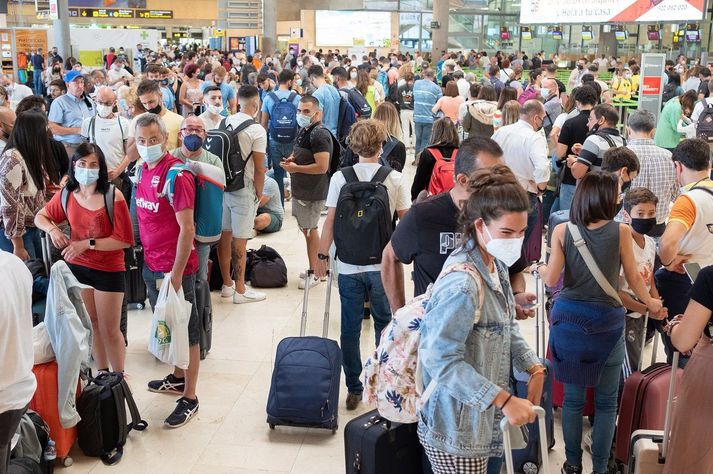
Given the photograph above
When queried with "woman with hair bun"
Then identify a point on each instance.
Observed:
(469, 336)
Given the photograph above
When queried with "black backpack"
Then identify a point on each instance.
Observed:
(361, 106)
(265, 268)
(103, 429)
(304, 140)
(704, 127)
(363, 221)
(223, 142)
(669, 92)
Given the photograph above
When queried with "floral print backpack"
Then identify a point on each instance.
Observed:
(392, 377)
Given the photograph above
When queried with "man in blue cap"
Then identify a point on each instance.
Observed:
(69, 110)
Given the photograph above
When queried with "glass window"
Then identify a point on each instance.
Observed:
(416, 5)
(388, 5)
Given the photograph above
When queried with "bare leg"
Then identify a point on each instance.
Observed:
(98, 347)
(262, 221)
(224, 252)
(239, 249)
(312, 238)
(113, 340)
(191, 374)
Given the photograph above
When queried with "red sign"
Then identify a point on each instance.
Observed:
(651, 85)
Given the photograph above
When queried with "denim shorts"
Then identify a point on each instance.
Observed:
(307, 213)
(239, 211)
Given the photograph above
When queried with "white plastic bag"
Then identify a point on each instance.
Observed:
(41, 344)
(168, 340)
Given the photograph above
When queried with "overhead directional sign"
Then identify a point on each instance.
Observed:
(155, 14)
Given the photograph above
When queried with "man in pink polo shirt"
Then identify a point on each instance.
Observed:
(167, 233)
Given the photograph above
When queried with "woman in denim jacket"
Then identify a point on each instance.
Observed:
(469, 352)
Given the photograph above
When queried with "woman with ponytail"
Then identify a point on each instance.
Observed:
(469, 336)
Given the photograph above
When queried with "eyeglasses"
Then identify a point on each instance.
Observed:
(193, 131)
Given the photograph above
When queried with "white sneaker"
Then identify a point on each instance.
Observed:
(227, 292)
(312, 282)
(250, 296)
(302, 277)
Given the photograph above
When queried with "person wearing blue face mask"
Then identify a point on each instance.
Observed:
(193, 133)
(100, 230)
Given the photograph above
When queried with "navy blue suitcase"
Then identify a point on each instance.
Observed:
(305, 380)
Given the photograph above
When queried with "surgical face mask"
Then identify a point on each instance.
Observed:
(155, 110)
(298, 82)
(643, 226)
(164, 82)
(353, 75)
(300, 64)
(214, 109)
(625, 186)
(86, 176)
(545, 93)
(193, 142)
(580, 66)
(303, 120)
(104, 110)
(506, 250)
(150, 154)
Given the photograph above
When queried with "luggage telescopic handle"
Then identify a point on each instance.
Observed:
(540, 323)
(305, 301)
(545, 467)
(669, 404)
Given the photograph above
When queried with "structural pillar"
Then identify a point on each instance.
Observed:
(269, 27)
(439, 36)
(61, 29)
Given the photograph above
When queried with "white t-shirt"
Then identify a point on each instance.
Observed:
(17, 382)
(644, 258)
(17, 93)
(208, 122)
(252, 139)
(113, 75)
(399, 200)
(109, 134)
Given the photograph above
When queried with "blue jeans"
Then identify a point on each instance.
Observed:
(606, 393)
(31, 239)
(276, 152)
(189, 293)
(423, 135)
(564, 201)
(673, 288)
(352, 293)
(38, 83)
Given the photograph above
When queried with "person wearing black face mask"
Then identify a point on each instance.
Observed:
(640, 206)
(193, 133)
(603, 136)
(623, 162)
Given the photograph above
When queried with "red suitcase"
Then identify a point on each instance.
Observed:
(558, 394)
(643, 405)
(44, 402)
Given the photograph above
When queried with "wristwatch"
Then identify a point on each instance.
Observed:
(92, 244)
(322, 256)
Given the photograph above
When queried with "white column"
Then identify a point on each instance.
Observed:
(439, 36)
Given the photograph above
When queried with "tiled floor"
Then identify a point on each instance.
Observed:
(229, 433)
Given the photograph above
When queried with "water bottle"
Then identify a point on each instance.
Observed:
(50, 452)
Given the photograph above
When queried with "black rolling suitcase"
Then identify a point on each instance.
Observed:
(135, 294)
(375, 445)
(305, 379)
(204, 306)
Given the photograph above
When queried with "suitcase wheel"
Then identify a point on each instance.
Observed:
(139, 306)
(66, 462)
(530, 467)
(334, 430)
(272, 427)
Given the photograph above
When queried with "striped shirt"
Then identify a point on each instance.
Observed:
(656, 172)
(425, 95)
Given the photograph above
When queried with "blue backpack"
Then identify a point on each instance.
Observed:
(283, 119)
(208, 208)
(347, 118)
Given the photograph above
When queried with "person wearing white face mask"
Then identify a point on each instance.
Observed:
(240, 206)
(459, 347)
(167, 231)
(213, 105)
(109, 131)
(100, 230)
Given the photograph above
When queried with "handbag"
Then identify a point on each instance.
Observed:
(591, 264)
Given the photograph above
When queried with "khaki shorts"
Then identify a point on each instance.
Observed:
(307, 213)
